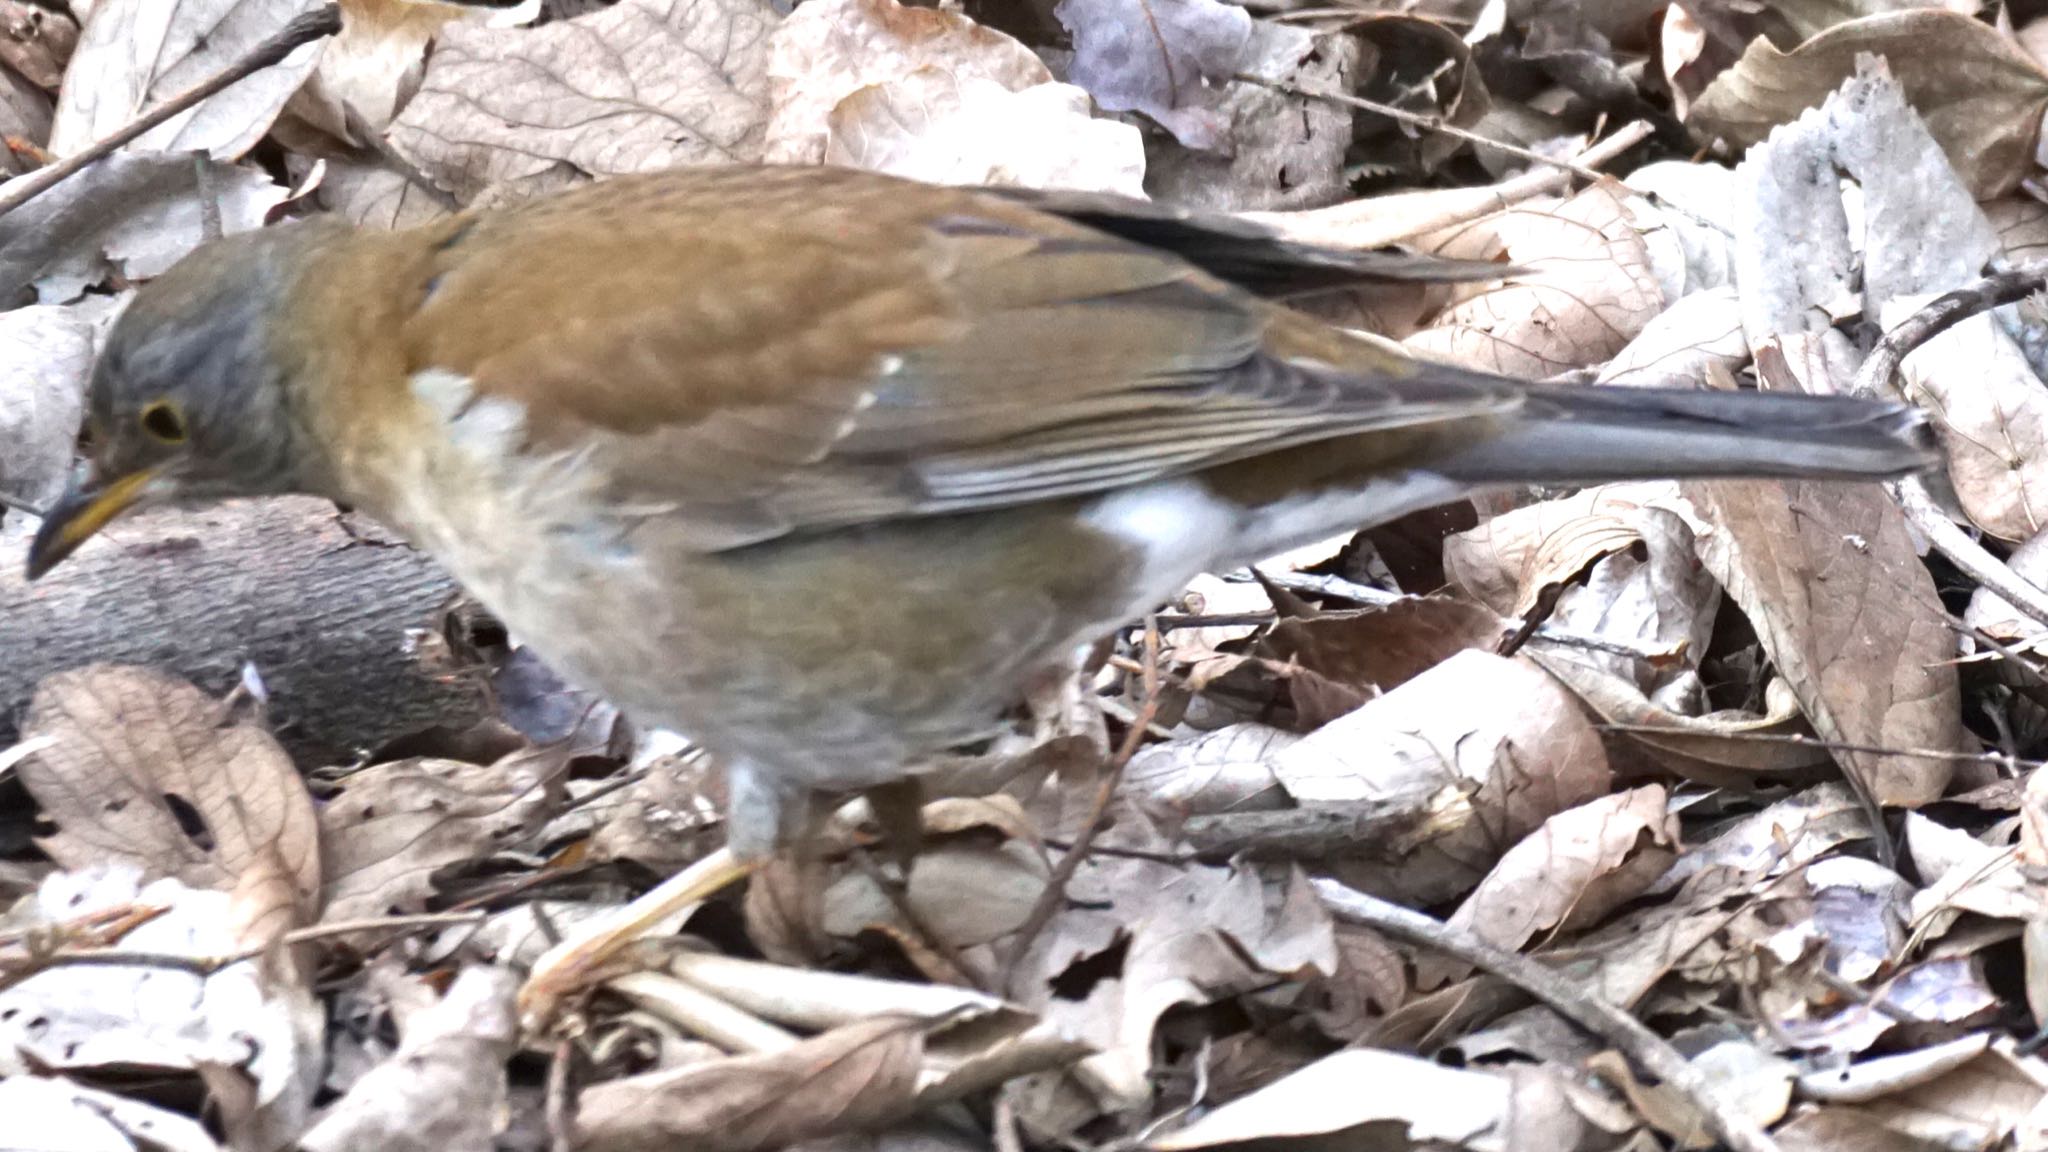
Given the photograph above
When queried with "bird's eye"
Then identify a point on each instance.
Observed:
(164, 422)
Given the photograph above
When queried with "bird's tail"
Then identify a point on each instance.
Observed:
(1569, 435)
(1587, 435)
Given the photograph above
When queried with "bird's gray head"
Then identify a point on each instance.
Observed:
(188, 399)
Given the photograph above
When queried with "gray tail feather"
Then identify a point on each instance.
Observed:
(1589, 435)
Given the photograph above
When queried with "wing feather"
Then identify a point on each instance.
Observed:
(818, 348)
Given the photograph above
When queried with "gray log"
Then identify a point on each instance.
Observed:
(280, 583)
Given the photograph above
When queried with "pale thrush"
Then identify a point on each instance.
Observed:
(818, 466)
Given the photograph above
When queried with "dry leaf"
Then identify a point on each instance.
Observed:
(1482, 749)
(1726, 749)
(1434, 1106)
(1827, 573)
(255, 1022)
(1286, 150)
(1220, 771)
(147, 769)
(45, 353)
(1588, 291)
(36, 42)
(1685, 345)
(1166, 58)
(640, 86)
(829, 50)
(1829, 578)
(24, 117)
(965, 893)
(369, 71)
(133, 54)
(856, 1077)
(1981, 96)
(394, 824)
(1744, 1081)
(1992, 412)
(54, 1114)
(932, 125)
(372, 196)
(1573, 871)
(444, 1089)
(1508, 562)
(1337, 661)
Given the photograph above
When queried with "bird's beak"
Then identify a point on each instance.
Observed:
(85, 508)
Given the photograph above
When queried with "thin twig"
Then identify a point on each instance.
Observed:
(1623, 1031)
(209, 965)
(1342, 589)
(17, 504)
(1799, 741)
(303, 30)
(897, 893)
(1400, 216)
(1878, 378)
(1426, 123)
(1055, 892)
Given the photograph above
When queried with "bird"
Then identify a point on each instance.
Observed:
(821, 467)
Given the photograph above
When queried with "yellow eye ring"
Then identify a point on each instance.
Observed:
(163, 422)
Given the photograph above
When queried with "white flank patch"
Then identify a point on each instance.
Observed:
(489, 428)
(1178, 526)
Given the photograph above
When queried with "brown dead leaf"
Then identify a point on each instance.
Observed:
(2020, 221)
(1483, 749)
(1744, 1081)
(935, 126)
(1196, 934)
(1993, 613)
(149, 770)
(1980, 95)
(371, 195)
(855, 1077)
(1285, 150)
(828, 51)
(393, 825)
(1573, 871)
(1726, 749)
(1991, 1100)
(1992, 411)
(1829, 578)
(369, 71)
(1509, 561)
(36, 42)
(133, 54)
(1335, 662)
(444, 1089)
(1686, 345)
(966, 893)
(1219, 771)
(640, 86)
(1434, 1105)
(1588, 290)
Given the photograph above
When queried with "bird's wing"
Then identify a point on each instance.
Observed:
(756, 352)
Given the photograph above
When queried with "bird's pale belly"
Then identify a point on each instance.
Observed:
(832, 661)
